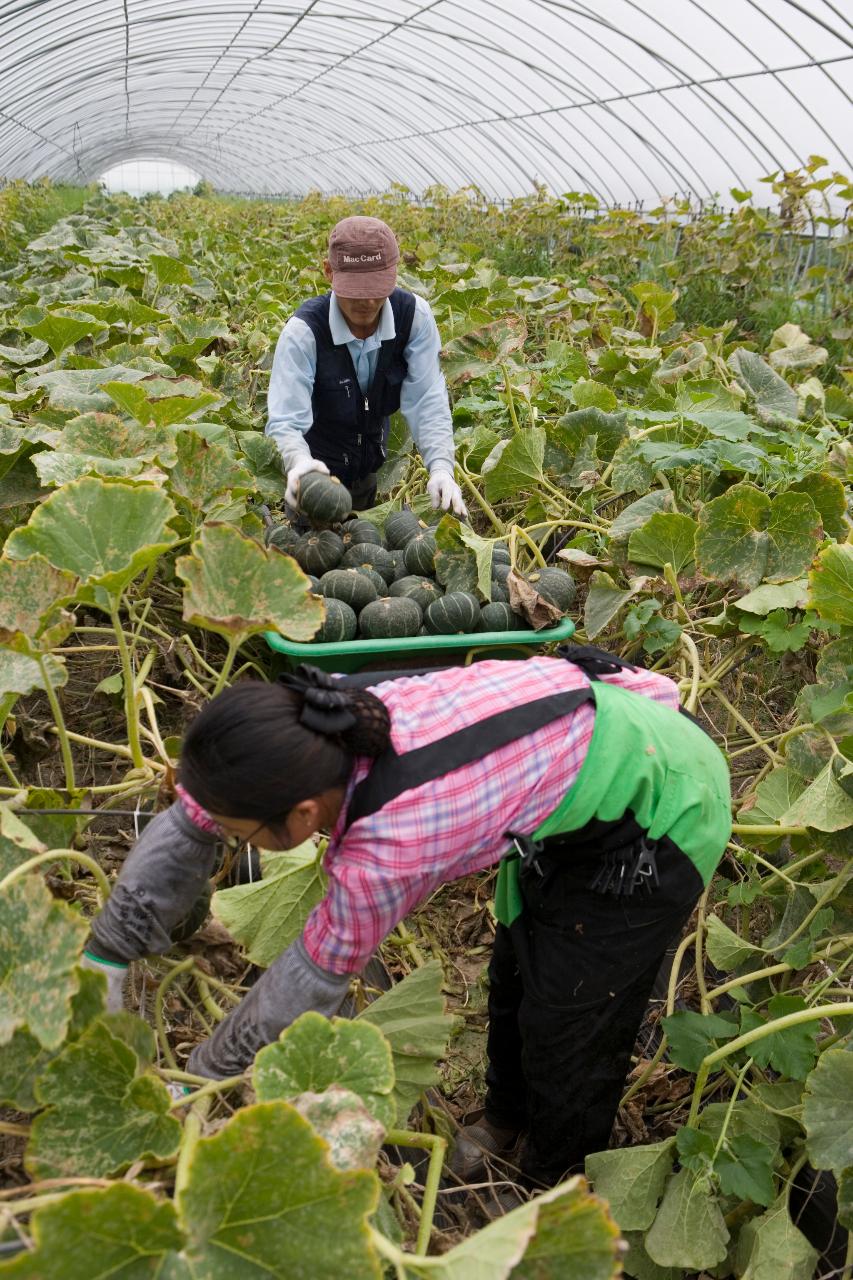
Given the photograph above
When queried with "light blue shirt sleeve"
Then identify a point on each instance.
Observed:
(289, 414)
(423, 395)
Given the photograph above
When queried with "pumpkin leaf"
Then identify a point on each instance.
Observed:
(80, 389)
(831, 585)
(22, 672)
(827, 1115)
(121, 1232)
(638, 513)
(169, 270)
(354, 1136)
(475, 354)
(411, 1016)
(562, 1234)
(267, 916)
(632, 1181)
(236, 587)
(824, 805)
(30, 592)
(100, 1113)
(773, 397)
(203, 471)
(827, 494)
(518, 470)
(104, 531)
(314, 1053)
(162, 411)
(726, 949)
(604, 600)
(23, 1059)
(744, 536)
(689, 1230)
(62, 329)
(692, 1035)
(261, 1196)
(666, 538)
(770, 1247)
(37, 980)
(772, 596)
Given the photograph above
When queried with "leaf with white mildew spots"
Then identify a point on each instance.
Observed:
(37, 977)
(100, 1113)
(236, 587)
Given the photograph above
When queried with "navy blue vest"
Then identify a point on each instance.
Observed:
(350, 430)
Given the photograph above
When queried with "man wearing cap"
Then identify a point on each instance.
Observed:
(349, 359)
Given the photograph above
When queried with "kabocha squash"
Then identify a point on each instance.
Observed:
(389, 618)
(358, 532)
(500, 555)
(283, 536)
(400, 570)
(498, 592)
(340, 623)
(555, 586)
(500, 570)
(400, 528)
(420, 553)
(378, 581)
(349, 585)
(318, 552)
(422, 590)
(454, 614)
(323, 499)
(366, 555)
(500, 617)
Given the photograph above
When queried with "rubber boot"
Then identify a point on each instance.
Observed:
(475, 1143)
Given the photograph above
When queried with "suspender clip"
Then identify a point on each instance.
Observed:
(528, 851)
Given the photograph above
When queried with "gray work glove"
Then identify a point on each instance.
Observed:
(165, 874)
(115, 975)
(292, 985)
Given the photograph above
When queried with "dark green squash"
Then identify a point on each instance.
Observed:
(366, 555)
(323, 499)
(358, 532)
(400, 528)
(454, 614)
(400, 570)
(498, 592)
(389, 618)
(378, 581)
(500, 554)
(420, 553)
(318, 552)
(422, 590)
(500, 571)
(350, 585)
(500, 617)
(340, 623)
(282, 536)
(555, 586)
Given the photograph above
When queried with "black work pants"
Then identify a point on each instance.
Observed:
(569, 982)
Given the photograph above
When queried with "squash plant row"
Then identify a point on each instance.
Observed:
(687, 489)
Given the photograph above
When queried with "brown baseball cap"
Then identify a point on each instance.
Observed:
(364, 254)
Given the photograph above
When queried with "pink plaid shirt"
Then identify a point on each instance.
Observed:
(388, 862)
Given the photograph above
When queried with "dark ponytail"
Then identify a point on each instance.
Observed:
(258, 749)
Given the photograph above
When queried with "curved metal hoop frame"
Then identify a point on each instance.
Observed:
(627, 99)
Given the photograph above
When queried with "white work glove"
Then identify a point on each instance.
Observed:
(115, 975)
(445, 492)
(294, 475)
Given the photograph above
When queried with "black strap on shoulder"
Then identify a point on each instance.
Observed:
(594, 662)
(392, 774)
